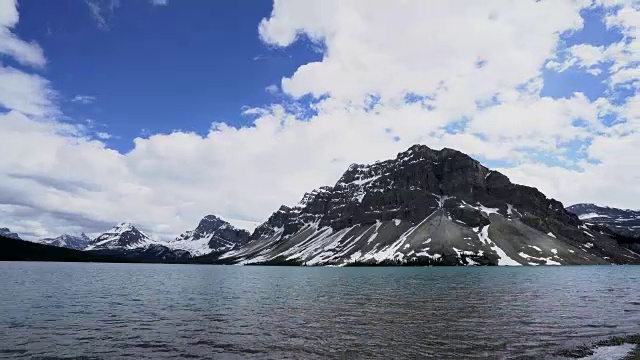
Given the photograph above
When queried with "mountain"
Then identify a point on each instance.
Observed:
(623, 222)
(122, 236)
(126, 241)
(427, 207)
(7, 233)
(211, 235)
(77, 242)
(22, 250)
(622, 225)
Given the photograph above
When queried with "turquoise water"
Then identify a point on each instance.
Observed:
(105, 311)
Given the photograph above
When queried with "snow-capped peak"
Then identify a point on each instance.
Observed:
(211, 234)
(122, 227)
(124, 235)
(71, 241)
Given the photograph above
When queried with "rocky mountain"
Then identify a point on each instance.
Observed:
(8, 234)
(427, 207)
(126, 241)
(77, 242)
(211, 235)
(620, 221)
(122, 236)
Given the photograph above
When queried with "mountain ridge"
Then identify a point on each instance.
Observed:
(427, 204)
(70, 241)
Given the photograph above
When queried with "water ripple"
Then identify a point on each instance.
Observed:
(142, 311)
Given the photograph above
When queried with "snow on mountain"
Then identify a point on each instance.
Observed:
(211, 235)
(7, 233)
(427, 207)
(122, 236)
(77, 242)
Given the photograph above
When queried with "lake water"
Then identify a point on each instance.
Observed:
(105, 311)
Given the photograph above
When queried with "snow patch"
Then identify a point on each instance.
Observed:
(551, 234)
(503, 258)
(487, 210)
(590, 216)
(548, 261)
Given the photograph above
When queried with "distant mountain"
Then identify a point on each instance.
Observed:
(77, 242)
(122, 236)
(427, 207)
(624, 222)
(211, 235)
(126, 241)
(22, 250)
(7, 233)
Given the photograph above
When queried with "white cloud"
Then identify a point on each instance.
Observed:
(27, 93)
(477, 67)
(84, 99)
(390, 48)
(24, 52)
(102, 11)
(103, 135)
(159, 2)
(621, 58)
(272, 89)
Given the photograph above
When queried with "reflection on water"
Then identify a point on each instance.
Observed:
(168, 311)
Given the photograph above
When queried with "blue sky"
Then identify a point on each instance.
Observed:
(155, 69)
(160, 112)
(185, 64)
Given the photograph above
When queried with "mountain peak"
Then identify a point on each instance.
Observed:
(124, 226)
(122, 236)
(9, 234)
(211, 234)
(210, 217)
(71, 241)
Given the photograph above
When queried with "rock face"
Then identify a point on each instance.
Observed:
(121, 236)
(427, 207)
(7, 233)
(623, 222)
(211, 235)
(76, 242)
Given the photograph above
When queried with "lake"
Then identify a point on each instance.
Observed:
(152, 311)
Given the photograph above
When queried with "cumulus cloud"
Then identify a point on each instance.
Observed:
(392, 74)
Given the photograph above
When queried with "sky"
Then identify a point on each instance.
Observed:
(159, 112)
